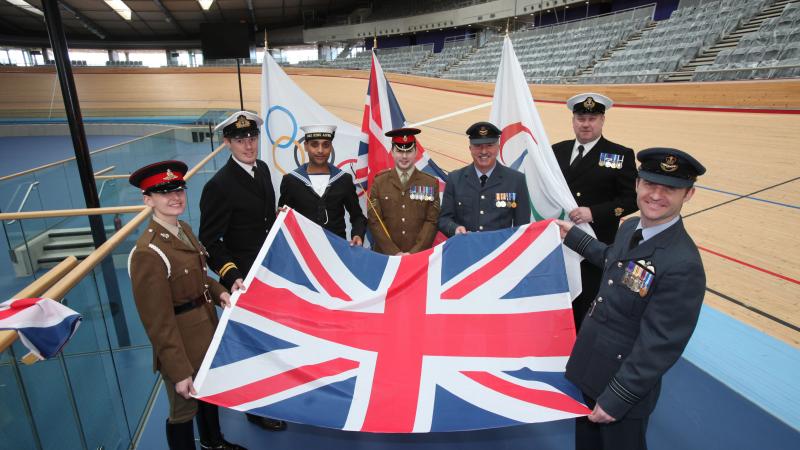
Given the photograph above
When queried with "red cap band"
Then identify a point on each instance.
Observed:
(406, 139)
(163, 177)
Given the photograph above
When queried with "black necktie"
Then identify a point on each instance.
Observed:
(483, 180)
(578, 158)
(637, 236)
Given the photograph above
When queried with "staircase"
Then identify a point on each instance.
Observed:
(51, 247)
(589, 70)
(707, 57)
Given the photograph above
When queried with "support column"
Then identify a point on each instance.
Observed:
(58, 42)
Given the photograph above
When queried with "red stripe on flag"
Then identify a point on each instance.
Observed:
(279, 383)
(496, 265)
(314, 264)
(17, 306)
(548, 399)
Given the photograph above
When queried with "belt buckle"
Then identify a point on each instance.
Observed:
(207, 296)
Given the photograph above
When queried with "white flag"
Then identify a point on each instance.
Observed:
(285, 108)
(524, 146)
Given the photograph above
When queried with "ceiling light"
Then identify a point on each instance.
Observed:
(120, 8)
(26, 6)
(205, 4)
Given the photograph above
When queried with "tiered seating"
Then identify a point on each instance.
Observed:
(451, 53)
(674, 42)
(396, 59)
(549, 54)
(403, 59)
(123, 63)
(774, 50)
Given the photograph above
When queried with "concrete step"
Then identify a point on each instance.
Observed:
(49, 259)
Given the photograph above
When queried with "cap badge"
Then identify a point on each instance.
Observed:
(169, 176)
(618, 211)
(405, 138)
(483, 131)
(242, 122)
(669, 164)
(589, 103)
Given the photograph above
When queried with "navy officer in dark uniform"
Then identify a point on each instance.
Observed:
(321, 191)
(484, 195)
(237, 209)
(646, 309)
(600, 174)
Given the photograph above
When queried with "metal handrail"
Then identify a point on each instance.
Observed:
(58, 290)
(103, 186)
(24, 200)
(55, 163)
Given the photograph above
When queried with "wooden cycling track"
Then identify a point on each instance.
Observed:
(744, 216)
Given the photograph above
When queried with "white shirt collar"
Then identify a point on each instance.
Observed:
(587, 147)
(247, 167)
(169, 227)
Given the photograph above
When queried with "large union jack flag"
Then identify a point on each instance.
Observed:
(473, 333)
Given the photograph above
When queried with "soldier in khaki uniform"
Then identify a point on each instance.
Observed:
(403, 202)
(175, 298)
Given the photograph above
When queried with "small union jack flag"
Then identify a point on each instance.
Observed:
(473, 333)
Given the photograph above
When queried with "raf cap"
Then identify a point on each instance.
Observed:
(161, 177)
(240, 124)
(669, 166)
(589, 103)
(403, 138)
(319, 132)
(483, 133)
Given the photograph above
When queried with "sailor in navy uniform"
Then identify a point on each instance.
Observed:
(321, 191)
(484, 195)
(600, 174)
(646, 309)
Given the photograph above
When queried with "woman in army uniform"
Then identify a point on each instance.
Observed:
(175, 299)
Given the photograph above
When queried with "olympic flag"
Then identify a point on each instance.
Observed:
(524, 146)
(285, 108)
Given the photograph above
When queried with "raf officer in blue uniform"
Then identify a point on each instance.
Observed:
(484, 195)
(646, 309)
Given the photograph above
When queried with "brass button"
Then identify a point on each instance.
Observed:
(610, 282)
(481, 212)
(577, 194)
(402, 219)
(619, 356)
(480, 227)
(459, 203)
(404, 232)
(483, 197)
(599, 299)
(185, 270)
(386, 198)
(619, 264)
(402, 206)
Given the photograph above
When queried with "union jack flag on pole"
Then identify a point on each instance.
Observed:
(382, 113)
(473, 333)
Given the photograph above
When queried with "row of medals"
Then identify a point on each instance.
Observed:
(424, 193)
(610, 161)
(505, 199)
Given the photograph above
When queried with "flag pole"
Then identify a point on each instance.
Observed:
(369, 202)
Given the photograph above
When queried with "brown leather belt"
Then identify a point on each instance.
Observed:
(192, 304)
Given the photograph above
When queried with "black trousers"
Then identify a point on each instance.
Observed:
(590, 284)
(625, 434)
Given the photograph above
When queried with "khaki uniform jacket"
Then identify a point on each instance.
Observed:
(411, 223)
(166, 273)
